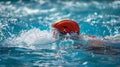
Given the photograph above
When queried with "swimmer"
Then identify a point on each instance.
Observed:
(65, 27)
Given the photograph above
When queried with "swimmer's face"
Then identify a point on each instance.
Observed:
(55, 33)
(59, 35)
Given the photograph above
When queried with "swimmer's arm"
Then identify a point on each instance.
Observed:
(96, 43)
(90, 44)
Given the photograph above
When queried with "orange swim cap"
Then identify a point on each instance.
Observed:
(66, 26)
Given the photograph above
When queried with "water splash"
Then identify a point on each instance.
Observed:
(31, 39)
(25, 24)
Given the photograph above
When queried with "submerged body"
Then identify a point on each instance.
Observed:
(99, 42)
(70, 29)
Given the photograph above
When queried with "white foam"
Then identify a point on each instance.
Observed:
(34, 38)
(115, 37)
(30, 11)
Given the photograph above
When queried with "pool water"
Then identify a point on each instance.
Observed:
(26, 40)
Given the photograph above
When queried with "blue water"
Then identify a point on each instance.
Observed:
(26, 41)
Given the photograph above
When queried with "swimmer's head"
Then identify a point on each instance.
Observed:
(66, 26)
